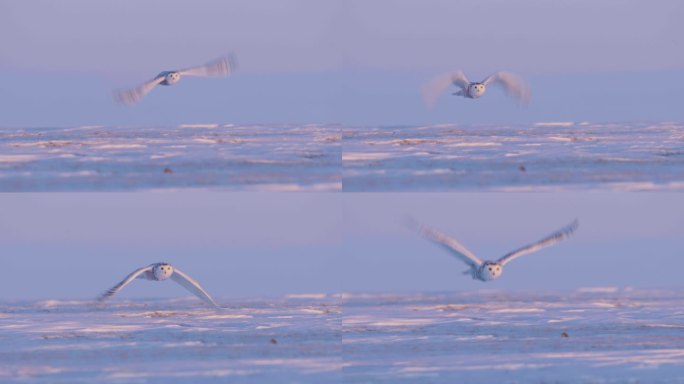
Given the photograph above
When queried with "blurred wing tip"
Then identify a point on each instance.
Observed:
(224, 66)
(104, 296)
(525, 101)
(233, 61)
(126, 97)
(411, 223)
(435, 88)
(429, 98)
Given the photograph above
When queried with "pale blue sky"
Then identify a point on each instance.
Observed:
(75, 245)
(350, 62)
(624, 239)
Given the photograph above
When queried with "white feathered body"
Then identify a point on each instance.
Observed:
(475, 90)
(486, 270)
(220, 67)
(170, 77)
(512, 85)
(159, 272)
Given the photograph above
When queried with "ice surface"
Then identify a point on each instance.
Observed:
(171, 341)
(541, 156)
(592, 335)
(589, 336)
(203, 156)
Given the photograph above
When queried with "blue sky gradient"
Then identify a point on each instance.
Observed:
(74, 245)
(349, 62)
(624, 240)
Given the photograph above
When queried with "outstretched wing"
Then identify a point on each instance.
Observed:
(222, 66)
(552, 239)
(191, 285)
(134, 95)
(450, 244)
(435, 88)
(113, 290)
(512, 84)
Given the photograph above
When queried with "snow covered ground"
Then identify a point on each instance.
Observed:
(542, 156)
(597, 335)
(589, 336)
(295, 339)
(202, 156)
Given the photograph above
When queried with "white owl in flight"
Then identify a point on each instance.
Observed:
(485, 270)
(160, 272)
(513, 85)
(220, 67)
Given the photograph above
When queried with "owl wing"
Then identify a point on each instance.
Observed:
(450, 244)
(113, 290)
(222, 66)
(512, 84)
(552, 239)
(134, 95)
(436, 87)
(191, 285)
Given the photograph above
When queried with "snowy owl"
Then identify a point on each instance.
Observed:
(223, 66)
(491, 270)
(512, 84)
(159, 272)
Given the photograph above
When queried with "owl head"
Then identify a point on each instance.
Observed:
(476, 90)
(172, 78)
(162, 271)
(491, 270)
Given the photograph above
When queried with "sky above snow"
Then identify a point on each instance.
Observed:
(75, 245)
(350, 62)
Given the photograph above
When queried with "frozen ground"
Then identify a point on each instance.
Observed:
(613, 336)
(293, 340)
(543, 156)
(204, 156)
